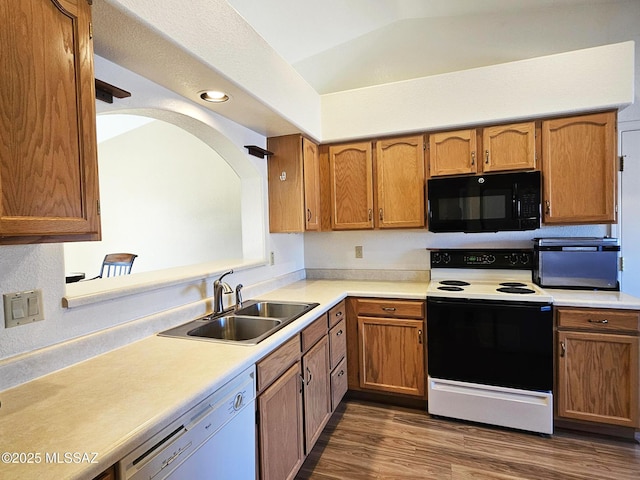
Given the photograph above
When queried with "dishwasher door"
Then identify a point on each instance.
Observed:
(215, 440)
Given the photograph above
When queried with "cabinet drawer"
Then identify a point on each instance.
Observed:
(270, 367)
(339, 384)
(599, 319)
(338, 342)
(379, 307)
(314, 332)
(336, 314)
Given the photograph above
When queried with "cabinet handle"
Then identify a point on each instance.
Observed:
(547, 204)
(308, 215)
(389, 309)
(341, 373)
(486, 157)
(338, 333)
(604, 321)
(370, 214)
(380, 213)
(473, 158)
(420, 337)
(339, 314)
(301, 382)
(308, 379)
(563, 349)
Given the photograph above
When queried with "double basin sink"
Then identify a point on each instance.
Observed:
(248, 325)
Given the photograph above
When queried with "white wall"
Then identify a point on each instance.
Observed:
(165, 196)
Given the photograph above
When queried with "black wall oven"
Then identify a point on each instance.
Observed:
(489, 203)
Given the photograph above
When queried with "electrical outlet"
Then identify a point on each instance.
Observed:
(272, 258)
(358, 251)
(23, 307)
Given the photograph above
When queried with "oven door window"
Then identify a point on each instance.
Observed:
(506, 344)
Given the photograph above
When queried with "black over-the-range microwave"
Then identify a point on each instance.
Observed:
(488, 203)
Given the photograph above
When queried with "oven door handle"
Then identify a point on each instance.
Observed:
(466, 302)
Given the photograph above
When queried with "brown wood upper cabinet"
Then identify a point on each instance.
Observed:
(497, 148)
(598, 362)
(509, 147)
(397, 198)
(453, 153)
(294, 184)
(579, 169)
(351, 177)
(400, 182)
(48, 159)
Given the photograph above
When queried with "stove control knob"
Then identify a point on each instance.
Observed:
(436, 258)
(490, 259)
(446, 258)
(525, 258)
(513, 258)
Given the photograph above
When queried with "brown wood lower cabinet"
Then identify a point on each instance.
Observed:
(598, 366)
(280, 427)
(297, 392)
(386, 346)
(316, 392)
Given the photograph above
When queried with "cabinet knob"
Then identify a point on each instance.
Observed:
(338, 333)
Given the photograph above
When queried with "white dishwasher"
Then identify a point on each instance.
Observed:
(215, 440)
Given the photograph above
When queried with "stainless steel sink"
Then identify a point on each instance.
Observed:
(235, 328)
(274, 309)
(248, 325)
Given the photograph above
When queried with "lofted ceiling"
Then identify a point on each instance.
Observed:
(338, 45)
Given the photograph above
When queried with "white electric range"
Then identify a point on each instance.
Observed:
(490, 339)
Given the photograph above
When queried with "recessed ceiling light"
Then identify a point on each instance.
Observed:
(214, 96)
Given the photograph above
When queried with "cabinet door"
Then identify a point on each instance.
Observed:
(281, 427)
(317, 391)
(453, 153)
(579, 169)
(311, 161)
(48, 160)
(400, 188)
(509, 147)
(351, 173)
(286, 186)
(391, 355)
(598, 378)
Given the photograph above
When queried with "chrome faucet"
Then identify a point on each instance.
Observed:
(220, 287)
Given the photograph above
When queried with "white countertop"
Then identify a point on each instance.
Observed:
(108, 405)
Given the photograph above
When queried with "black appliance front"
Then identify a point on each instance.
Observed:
(489, 203)
(501, 343)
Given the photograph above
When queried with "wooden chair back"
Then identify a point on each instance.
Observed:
(115, 264)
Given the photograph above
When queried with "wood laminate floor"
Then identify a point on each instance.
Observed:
(371, 441)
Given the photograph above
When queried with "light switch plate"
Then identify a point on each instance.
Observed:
(23, 307)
